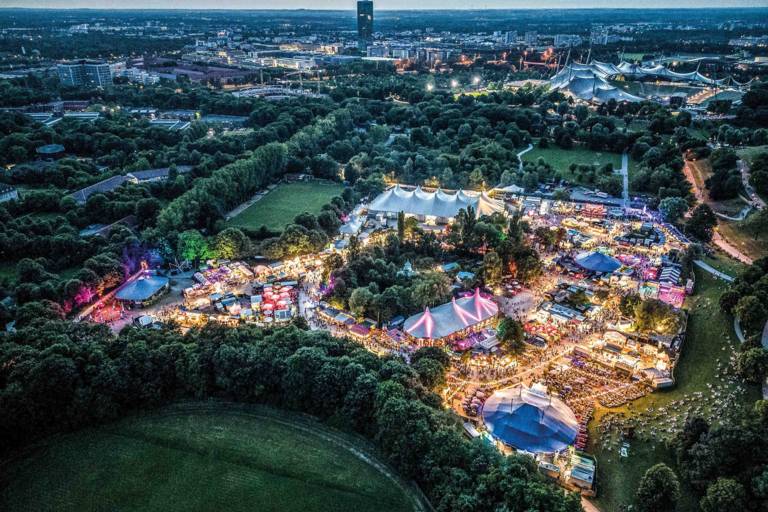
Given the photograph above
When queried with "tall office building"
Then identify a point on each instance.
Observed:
(364, 23)
(85, 72)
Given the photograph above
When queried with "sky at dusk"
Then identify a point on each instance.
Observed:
(380, 4)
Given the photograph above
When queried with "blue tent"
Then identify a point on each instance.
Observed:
(529, 419)
(597, 262)
(142, 289)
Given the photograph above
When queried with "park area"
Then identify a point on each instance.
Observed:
(203, 457)
(561, 159)
(279, 207)
(702, 388)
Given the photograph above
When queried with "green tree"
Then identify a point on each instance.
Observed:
(511, 334)
(492, 268)
(360, 301)
(232, 243)
(724, 495)
(658, 491)
(193, 247)
(701, 223)
(751, 312)
(673, 208)
(752, 365)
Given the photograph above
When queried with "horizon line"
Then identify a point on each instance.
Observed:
(304, 9)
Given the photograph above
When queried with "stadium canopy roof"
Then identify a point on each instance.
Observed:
(435, 204)
(451, 317)
(529, 419)
(659, 71)
(597, 262)
(143, 288)
(588, 82)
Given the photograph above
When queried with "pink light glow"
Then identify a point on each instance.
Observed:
(428, 322)
(461, 314)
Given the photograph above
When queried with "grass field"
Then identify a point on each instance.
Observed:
(735, 233)
(726, 264)
(561, 159)
(747, 154)
(278, 208)
(204, 457)
(710, 340)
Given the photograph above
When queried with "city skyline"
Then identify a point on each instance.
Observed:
(379, 4)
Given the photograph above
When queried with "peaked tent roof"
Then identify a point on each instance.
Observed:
(597, 262)
(142, 288)
(529, 419)
(436, 204)
(589, 83)
(451, 317)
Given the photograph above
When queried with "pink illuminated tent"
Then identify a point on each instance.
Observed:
(452, 317)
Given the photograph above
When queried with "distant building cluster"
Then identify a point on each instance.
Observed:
(101, 74)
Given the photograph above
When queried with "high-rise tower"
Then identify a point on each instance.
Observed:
(364, 23)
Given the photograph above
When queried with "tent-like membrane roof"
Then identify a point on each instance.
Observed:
(529, 419)
(435, 204)
(142, 288)
(597, 262)
(451, 317)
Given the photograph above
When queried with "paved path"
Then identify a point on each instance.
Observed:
(757, 201)
(721, 275)
(520, 156)
(725, 277)
(624, 171)
(741, 216)
(588, 506)
(717, 238)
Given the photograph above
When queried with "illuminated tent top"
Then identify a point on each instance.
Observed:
(597, 262)
(436, 204)
(589, 82)
(529, 419)
(142, 288)
(451, 317)
(659, 71)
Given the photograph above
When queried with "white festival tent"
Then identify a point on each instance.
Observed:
(452, 317)
(437, 204)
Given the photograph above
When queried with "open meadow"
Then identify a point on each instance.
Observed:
(279, 207)
(203, 457)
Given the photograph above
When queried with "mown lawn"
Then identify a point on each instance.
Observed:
(201, 458)
(561, 159)
(748, 153)
(279, 207)
(710, 340)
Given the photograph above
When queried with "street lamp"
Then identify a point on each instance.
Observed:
(430, 87)
(476, 80)
(454, 83)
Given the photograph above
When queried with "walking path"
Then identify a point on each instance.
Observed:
(757, 201)
(717, 238)
(520, 156)
(244, 206)
(624, 171)
(736, 325)
(741, 216)
(712, 270)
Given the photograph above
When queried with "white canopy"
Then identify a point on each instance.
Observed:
(436, 204)
(451, 317)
